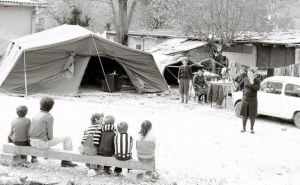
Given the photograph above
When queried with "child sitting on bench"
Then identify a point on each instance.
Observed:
(145, 148)
(106, 147)
(91, 138)
(123, 145)
(19, 129)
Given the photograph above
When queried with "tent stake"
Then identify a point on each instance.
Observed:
(101, 63)
(25, 75)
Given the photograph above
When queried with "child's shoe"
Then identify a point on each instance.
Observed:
(108, 171)
(92, 173)
(140, 176)
(33, 160)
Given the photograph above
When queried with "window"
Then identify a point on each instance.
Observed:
(138, 46)
(272, 87)
(292, 90)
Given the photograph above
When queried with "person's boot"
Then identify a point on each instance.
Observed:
(67, 164)
(186, 98)
(182, 99)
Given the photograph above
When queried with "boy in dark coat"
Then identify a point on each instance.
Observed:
(106, 147)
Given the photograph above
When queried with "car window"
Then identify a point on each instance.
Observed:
(292, 90)
(272, 87)
(263, 86)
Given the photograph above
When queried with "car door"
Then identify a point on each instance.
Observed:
(291, 100)
(269, 98)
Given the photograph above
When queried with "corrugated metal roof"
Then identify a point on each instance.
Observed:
(150, 33)
(177, 45)
(23, 2)
(282, 38)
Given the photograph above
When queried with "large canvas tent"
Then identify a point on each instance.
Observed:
(54, 62)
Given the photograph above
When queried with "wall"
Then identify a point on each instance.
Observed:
(242, 54)
(275, 56)
(297, 55)
(145, 43)
(15, 21)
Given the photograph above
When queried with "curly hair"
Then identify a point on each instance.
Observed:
(96, 116)
(46, 104)
(146, 126)
(21, 111)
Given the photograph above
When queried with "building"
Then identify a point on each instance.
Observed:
(266, 50)
(144, 39)
(17, 18)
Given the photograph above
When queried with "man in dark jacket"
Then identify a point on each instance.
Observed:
(184, 77)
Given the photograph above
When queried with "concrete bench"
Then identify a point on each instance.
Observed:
(11, 154)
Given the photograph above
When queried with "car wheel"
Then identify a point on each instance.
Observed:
(237, 109)
(297, 119)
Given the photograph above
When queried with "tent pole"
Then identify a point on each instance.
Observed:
(101, 64)
(25, 75)
(172, 73)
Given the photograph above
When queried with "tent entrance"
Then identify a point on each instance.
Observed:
(171, 72)
(94, 80)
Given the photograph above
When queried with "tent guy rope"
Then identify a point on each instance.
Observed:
(101, 64)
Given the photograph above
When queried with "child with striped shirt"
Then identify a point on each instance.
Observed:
(123, 145)
(92, 133)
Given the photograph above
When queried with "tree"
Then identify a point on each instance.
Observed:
(82, 12)
(222, 21)
(153, 14)
(121, 17)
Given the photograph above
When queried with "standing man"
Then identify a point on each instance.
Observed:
(41, 131)
(184, 76)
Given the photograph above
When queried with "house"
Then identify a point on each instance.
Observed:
(144, 39)
(266, 50)
(17, 18)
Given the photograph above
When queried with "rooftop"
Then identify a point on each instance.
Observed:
(281, 38)
(23, 3)
(167, 33)
(177, 45)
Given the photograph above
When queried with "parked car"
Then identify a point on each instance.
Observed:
(278, 96)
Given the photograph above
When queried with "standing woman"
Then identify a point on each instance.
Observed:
(184, 76)
(249, 100)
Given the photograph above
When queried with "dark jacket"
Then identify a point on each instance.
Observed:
(106, 147)
(240, 81)
(250, 90)
(185, 72)
(199, 82)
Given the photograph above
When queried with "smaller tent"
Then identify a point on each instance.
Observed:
(54, 62)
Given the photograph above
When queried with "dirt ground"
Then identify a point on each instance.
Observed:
(197, 143)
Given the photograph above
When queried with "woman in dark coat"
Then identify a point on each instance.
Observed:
(249, 100)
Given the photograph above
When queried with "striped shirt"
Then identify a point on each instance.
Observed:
(94, 130)
(123, 146)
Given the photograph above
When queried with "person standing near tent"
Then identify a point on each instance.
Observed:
(249, 100)
(184, 77)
